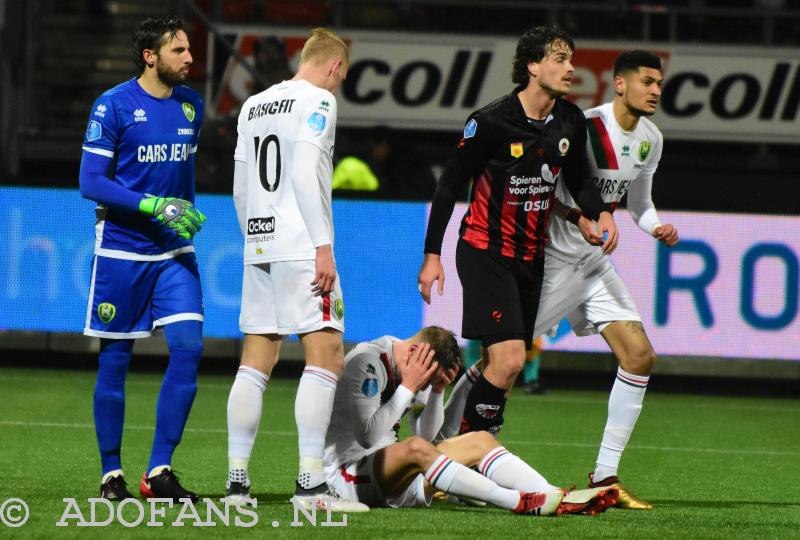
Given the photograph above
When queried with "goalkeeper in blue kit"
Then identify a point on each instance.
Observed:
(138, 165)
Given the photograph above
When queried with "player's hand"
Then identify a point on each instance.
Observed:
(325, 275)
(443, 379)
(420, 367)
(430, 272)
(608, 229)
(179, 215)
(667, 234)
(589, 231)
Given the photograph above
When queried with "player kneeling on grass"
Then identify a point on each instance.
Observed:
(384, 379)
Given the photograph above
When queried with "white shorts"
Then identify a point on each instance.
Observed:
(356, 482)
(277, 299)
(591, 295)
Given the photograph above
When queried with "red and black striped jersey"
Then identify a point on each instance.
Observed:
(515, 164)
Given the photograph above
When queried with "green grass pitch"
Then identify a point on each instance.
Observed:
(715, 467)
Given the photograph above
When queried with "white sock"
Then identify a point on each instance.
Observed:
(312, 412)
(454, 409)
(509, 471)
(451, 477)
(624, 406)
(244, 414)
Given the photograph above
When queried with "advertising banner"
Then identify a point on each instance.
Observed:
(427, 81)
(728, 289)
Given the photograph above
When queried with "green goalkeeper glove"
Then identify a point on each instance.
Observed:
(179, 215)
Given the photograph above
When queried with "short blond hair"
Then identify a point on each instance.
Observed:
(322, 45)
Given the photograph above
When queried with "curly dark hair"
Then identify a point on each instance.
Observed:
(533, 46)
(447, 354)
(633, 60)
(150, 35)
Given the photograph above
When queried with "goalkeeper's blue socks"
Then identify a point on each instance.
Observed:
(178, 389)
(109, 400)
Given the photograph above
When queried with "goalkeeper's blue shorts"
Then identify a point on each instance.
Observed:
(129, 299)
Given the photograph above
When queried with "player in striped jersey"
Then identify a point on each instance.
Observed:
(580, 282)
(517, 150)
(382, 381)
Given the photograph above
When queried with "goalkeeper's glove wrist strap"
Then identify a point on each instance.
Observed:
(148, 205)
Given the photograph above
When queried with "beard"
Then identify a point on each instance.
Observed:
(552, 91)
(169, 76)
(640, 112)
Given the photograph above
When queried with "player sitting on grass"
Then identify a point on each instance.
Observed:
(384, 379)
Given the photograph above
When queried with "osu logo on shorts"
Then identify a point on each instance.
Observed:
(106, 312)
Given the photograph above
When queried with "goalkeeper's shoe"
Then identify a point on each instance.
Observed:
(626, 499)
(588, 501)
(115, 489)
(324, 497)
(238, 494)
(539, 504)
(164, 485)
(179, 215)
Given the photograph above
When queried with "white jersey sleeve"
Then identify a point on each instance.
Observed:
(240, 193)
(372, 421)
(364, 414)
(318, 120)
(427, 419)
(640, 201)
(308, 192)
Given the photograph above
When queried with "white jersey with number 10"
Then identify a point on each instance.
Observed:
(270, 125)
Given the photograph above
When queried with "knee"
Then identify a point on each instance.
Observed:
(193, 344)
(640, 361)
(186, 336)
(480, 441)
(336, 361)
(113, 365)
(420, 451)
(507, 366)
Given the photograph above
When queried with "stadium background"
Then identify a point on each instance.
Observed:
(721, 309)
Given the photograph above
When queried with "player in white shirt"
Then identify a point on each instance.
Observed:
(382, 381)
(282, 194)
(580, 283)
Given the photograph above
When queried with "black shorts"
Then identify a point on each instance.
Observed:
(501, 295)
